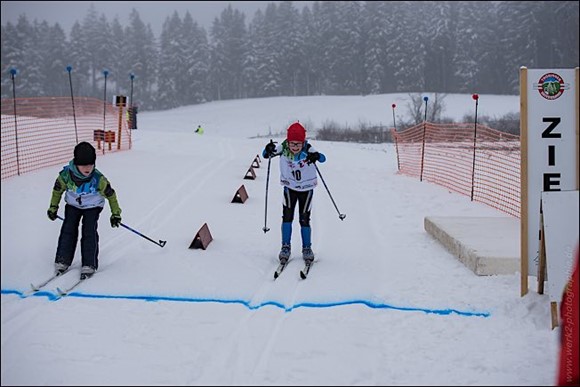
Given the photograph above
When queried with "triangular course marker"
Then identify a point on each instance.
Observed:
(202, 239)
(250, 174)
(256, 163)
(241, 195)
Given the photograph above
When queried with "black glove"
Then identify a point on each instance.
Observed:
(115, 220)
(312, 157)
(52, 210)
(270, 149)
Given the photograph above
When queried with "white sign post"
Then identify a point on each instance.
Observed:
(549, 151)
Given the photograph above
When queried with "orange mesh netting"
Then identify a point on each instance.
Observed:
(485, 166)
(44, 131)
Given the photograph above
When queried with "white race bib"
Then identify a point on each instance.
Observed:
(297, 175)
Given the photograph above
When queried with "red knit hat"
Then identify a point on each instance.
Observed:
(296, 132)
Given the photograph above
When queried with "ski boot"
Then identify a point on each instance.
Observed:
(284, 254)
(60, 268)
(87, 272)
(307, 255)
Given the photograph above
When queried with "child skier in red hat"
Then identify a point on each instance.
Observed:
(299, 177)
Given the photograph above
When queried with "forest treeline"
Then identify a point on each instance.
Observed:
(292, 49)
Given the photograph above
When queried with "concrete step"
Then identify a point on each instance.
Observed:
(486, 245)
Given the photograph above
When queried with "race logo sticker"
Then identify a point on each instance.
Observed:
(551, 86)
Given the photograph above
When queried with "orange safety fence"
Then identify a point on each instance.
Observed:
(476, 161)
(41, 132)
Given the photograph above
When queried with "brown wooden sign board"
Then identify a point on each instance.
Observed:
(202, 238)
(241, 195)
(250, 175)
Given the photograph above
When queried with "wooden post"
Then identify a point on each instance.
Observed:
(524, 181)
(542, 257)
(121, 102)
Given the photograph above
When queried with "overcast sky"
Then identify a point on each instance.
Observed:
(152, 12)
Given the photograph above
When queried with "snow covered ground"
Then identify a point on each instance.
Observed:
(385, 304)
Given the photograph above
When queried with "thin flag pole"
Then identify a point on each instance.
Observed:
(424, 131)
(13, 73)
(476, 98)
(396, 141)
(69, 69)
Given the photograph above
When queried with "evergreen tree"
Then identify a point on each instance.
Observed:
(268, 70)
(22, 58)
(344, 47)
(79, 59)
(441, 33)
(170, 62)
(250, 61)
(467, 60)
(566, 33)
(411, 69)
(117, 59)
(103, 60)
(141, 58)
(519, 16)
(289, 36)
(228, 34)
(56, 82)
(92, 48)
(309, 39)
(196, 59)
(347, 49)
(11, 58)
(492, 50)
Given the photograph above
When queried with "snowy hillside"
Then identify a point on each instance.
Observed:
(385, 304)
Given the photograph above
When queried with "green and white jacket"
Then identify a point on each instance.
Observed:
(83, 191)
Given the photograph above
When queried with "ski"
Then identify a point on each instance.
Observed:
(36, 288)
(280, 269)
(304, 272)
(65, 292)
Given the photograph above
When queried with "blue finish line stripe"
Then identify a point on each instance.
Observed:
(54, 297)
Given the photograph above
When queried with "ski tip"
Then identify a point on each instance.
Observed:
(302, 275)
(61, 292)
(275, 275)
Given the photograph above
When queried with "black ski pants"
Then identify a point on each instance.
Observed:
(69, 234)
(304, 199)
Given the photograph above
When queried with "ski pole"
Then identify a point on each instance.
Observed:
(160, 243)
(266, 228)
(341, 216)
